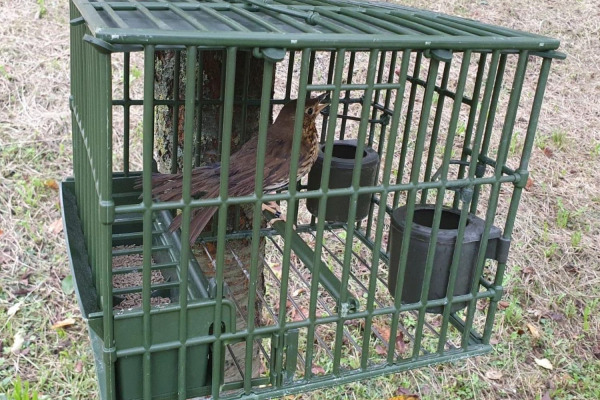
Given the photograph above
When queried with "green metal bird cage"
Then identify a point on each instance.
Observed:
(345, 274)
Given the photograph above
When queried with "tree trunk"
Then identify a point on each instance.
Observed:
(170, 70)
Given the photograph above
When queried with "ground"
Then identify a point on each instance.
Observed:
(547, 340)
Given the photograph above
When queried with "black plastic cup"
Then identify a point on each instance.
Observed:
(340, 176)
(420, 237)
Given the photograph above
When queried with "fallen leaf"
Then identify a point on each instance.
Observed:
(78, 367)
(317, 370)
(535, 332)
(63, 324)
(1, 232)
(529, 184)
(400, 344)
(14, 308)
(51, 184)
(379, 349)
(548, 152)
(493, 374)
(384, 331)
(556, 316)
(56, 227)
(17, 343)
(405, 394)
(546, 396)
(544, 363)
(503, 305)
(67, 285)
(298, 292)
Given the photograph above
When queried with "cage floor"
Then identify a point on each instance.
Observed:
(364, 334)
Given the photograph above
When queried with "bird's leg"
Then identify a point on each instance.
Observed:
(273, 208)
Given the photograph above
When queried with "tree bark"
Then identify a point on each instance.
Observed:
(209, 91)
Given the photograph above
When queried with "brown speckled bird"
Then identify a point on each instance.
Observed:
(242, 168)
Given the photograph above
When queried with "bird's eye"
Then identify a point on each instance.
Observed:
(310, 111)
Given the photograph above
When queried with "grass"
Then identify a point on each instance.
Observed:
(553, 272)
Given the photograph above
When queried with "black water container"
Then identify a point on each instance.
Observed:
(342, 168)
(420, 238)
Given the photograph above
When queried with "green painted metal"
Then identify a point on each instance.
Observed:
(425, 90)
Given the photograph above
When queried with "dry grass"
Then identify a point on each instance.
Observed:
(553, 279)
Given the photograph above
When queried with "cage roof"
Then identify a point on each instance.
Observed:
(294, 24)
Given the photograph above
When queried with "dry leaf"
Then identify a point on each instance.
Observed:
(298, 292)
(1, 232)
(405, 397)
(78, 367)
(379, 349)
(317, 370)
(546, 396)
(57, 226)
(400, 344)
(535, 333)
(503, 305)
(63, 324)
(384, 331)
(529, 184)
(14, 308)
(544, 363)
(51, 184)
(548, 152)
(17, 343)
(493, 374)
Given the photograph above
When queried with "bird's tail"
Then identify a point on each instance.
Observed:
(199, 220)
(204, 183)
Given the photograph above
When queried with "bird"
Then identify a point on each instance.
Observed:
(206, 179)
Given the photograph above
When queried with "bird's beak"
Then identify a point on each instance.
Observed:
(323, 101)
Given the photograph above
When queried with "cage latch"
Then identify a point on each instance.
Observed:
(269, 53)
(283, 369)
(439, 55)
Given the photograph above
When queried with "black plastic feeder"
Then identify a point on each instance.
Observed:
(342, 168)
(420, 238)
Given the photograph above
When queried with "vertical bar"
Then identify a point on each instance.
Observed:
(148, 147)
(412, 194)
(507, 131)
(267, 86)
(126, 111)
(314, 286)
(362, 133)
(473, 108)
(188, 144)
(407, 127)
(347, 97)
(291, 206)
(175, 111)
(489, 127)
(439, 109)
(524, 172)
(460, 88)
(229, 87)
(200, 94)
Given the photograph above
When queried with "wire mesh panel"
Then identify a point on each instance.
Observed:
(389, 255)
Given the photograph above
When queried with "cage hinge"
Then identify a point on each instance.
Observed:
(100, 45)
(77, 21)
(269, 53)
(498, 249)
(107, 212)
(109, 355)
(523, 177)
(439, 54)
(290, 341)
